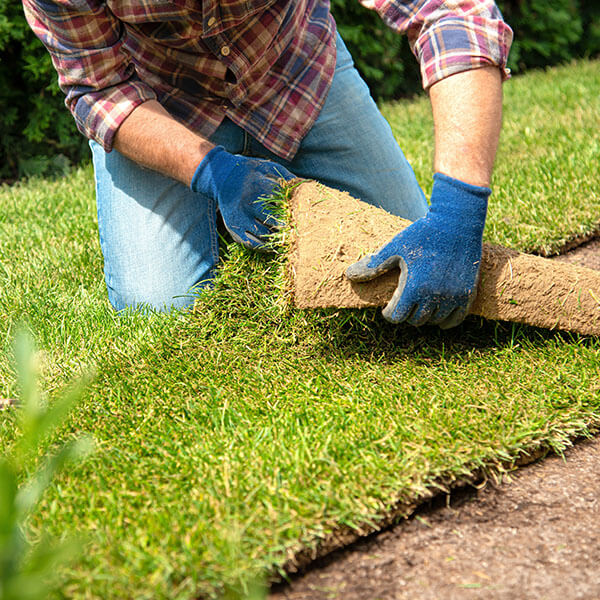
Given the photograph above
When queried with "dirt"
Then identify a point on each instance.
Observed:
(332, 230)
(533, 536)
(585, 255)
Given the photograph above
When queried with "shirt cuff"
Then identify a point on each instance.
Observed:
(99, 114)
(454, 45)
(449, 37)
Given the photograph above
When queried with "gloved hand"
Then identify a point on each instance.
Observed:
(438, 256)
(238, 184)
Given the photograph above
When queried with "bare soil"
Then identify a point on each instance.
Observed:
(534, 535)
(332, 230)
(585, 255)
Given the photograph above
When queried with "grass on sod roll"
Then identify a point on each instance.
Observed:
(231, 435)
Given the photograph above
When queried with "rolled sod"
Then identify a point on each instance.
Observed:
(330, 230)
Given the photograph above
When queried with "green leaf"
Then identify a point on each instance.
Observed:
(8, 493)
(38, 421)
(29, 495)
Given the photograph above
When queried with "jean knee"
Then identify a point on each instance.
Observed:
(159, 239)
(137, 296)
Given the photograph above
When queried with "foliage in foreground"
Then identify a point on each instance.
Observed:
(28, 569)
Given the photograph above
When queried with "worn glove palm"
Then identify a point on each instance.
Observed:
(438, 256)
(239, 184)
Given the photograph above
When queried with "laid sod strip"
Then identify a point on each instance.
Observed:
(234, 439)
(252, 433)
(445, 487)
(330, 230)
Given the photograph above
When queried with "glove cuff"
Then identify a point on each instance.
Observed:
(456, 199)
(213, 172)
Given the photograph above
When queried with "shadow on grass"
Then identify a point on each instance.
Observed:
(365, 334)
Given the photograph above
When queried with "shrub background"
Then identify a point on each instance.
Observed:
(38, 135)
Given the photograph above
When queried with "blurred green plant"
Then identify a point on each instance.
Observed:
(589, 44)
(546, 32)
(28, 568)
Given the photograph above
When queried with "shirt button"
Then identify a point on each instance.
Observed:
(211, 22)
(225, 51)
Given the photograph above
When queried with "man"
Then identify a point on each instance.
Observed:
(198, 107)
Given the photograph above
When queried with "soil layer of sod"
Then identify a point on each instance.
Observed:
(331, 230)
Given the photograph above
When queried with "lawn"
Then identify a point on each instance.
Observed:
(229, 439)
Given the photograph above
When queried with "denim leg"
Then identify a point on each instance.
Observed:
(351, 147)
(158, 238)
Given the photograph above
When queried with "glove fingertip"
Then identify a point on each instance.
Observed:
(373, 265)
(398, 313)
(360, 271)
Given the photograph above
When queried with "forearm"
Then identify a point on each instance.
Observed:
(467, 114)
(154, 139)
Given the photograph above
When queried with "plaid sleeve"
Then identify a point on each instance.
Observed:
(85, 43)
(449, 36)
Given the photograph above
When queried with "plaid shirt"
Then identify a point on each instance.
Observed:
(265, 64)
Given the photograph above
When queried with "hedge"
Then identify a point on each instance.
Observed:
(38, 136)
(37, 133)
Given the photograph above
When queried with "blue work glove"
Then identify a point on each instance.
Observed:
(438, 256)
(239, 184)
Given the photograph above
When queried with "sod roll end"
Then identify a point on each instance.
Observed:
(330, 230)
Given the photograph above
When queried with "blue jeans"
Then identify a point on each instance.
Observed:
(159, 239)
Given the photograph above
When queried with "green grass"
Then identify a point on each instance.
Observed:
(230, 438)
